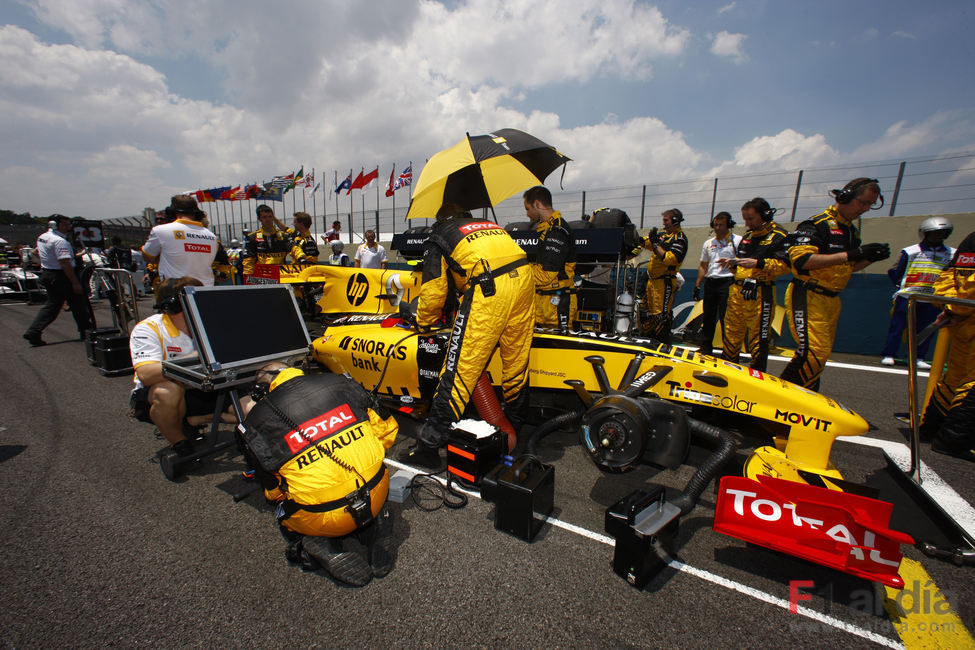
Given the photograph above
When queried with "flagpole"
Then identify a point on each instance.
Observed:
(314, 207)
(377, 201)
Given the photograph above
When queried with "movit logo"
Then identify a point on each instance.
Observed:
(805, 420)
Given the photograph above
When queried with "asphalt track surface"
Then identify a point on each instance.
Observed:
(99, 549)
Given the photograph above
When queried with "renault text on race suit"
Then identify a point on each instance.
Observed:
(730, 402)
(321, 427)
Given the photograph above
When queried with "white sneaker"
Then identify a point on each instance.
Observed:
(923, 365)
(887, 361)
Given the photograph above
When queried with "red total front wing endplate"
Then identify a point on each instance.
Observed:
(836, 529)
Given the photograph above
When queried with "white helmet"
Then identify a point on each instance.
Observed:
(934, 224)
(234, 243)
(337, 246)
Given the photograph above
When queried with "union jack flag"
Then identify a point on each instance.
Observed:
(281, 182)
(406, 178)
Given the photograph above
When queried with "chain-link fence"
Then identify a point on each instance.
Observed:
(936, 185)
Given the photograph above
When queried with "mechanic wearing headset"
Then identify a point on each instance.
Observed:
(667, 251)
(317, 444)
(158, 399)
(825, 250)
(760, 258)
(556, 298)
(267, 245)
(715, 276)
(951, 411)
(479, 260)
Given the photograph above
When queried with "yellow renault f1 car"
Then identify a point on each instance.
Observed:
(637, 400)
(403, 366)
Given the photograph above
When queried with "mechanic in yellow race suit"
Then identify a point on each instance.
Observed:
(950, 414)
(667, 251)
(760, 258)
(317, 445)
(825, 250)
(556, 297)
(267, 245)
(479, 260)
(305, 250)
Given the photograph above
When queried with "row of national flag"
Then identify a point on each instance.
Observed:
(364, 180)
(277, 187)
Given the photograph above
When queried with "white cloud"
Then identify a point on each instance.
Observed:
(727, 44)
(906, 35)
(788, 149)
(725, 9)
(99, 132)
(942, 130)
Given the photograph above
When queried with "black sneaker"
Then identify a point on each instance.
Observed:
(183, 447)
(345, 566)
(958, 450)
(426, 457)
(34, 340)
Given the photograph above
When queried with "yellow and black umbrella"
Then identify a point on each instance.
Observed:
(481, 171)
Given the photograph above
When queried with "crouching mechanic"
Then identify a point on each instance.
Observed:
(951, 411)
(156, 398)
(479, 260)
(317, 444)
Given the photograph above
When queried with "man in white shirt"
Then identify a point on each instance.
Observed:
(715, 277)
(156, 398)
(371, 255)
(59, 279)
(184, 247)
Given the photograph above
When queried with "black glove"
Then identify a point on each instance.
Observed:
(407, 314)
(697, 292)
(870, 252)
(638, 248)
(749, 289)
(653, 237)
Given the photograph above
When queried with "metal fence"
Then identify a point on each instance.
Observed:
(934, 185)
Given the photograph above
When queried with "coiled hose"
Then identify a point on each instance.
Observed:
(725, 448)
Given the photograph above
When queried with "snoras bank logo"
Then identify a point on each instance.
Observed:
(357, 289)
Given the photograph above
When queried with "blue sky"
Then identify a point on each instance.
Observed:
(113, 105)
